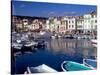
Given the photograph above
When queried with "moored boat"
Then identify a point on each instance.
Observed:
(73, 66)
(90, 63)
(69, 37)
(93, 41)
(94, 45)
(29, 44)
(40, 69)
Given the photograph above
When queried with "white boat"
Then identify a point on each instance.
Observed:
(90, 63)
(53, 37)
(95, 45)
(59, 36)
(42, 32)
(40, 69)
(17, 45)
(18, 41)
(31, 44)
(94, 42)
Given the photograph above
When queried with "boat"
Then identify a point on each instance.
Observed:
(29, 44)
(40, 44)
(53, 37)
(69, 37)
(94, 45)
(94, 42)
(90, 63)
(73, 66)
(16, 45)
(40, 69)
(42, 32)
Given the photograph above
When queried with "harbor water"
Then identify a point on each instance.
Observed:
(55, 52)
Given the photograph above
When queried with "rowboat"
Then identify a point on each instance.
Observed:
(73, 66)
(93, 41)
(90, 63)
(94, 45)
(40, 69)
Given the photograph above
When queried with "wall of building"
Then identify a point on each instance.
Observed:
(87, 22)
(71, 24)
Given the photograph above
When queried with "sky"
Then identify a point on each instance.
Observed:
(41, 9)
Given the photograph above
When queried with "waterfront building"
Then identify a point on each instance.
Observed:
(13, 23)
(52, 24)
(52, 27)
(90, 22)
(87, 23)
(19, 24)
(63, 27)
(47, 26)
(58, 26)
(80, 24)
(94, 21)
(35, 24)
(41, 25)
(25, 24)
(66, 24)
(71, 24)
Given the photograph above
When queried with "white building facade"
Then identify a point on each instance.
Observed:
(87, 23)
(35, 24)
(84, 24)
(47, 26)
(71, 23)
(80, 24)
(94, 21)
(90, 22)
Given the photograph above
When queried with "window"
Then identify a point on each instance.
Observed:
(88, 20)
(92, 21)
(92, 16)
(95, 21)
(69, 26)
(72, 26)
(95, 26)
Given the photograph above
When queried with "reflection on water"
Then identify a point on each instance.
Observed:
(71, 47)
(55, 53)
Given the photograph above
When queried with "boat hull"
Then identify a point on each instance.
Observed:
(90, 63)
(40, 69)
(73, 66)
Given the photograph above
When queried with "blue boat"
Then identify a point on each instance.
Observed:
(73, 66)
(90, 63)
